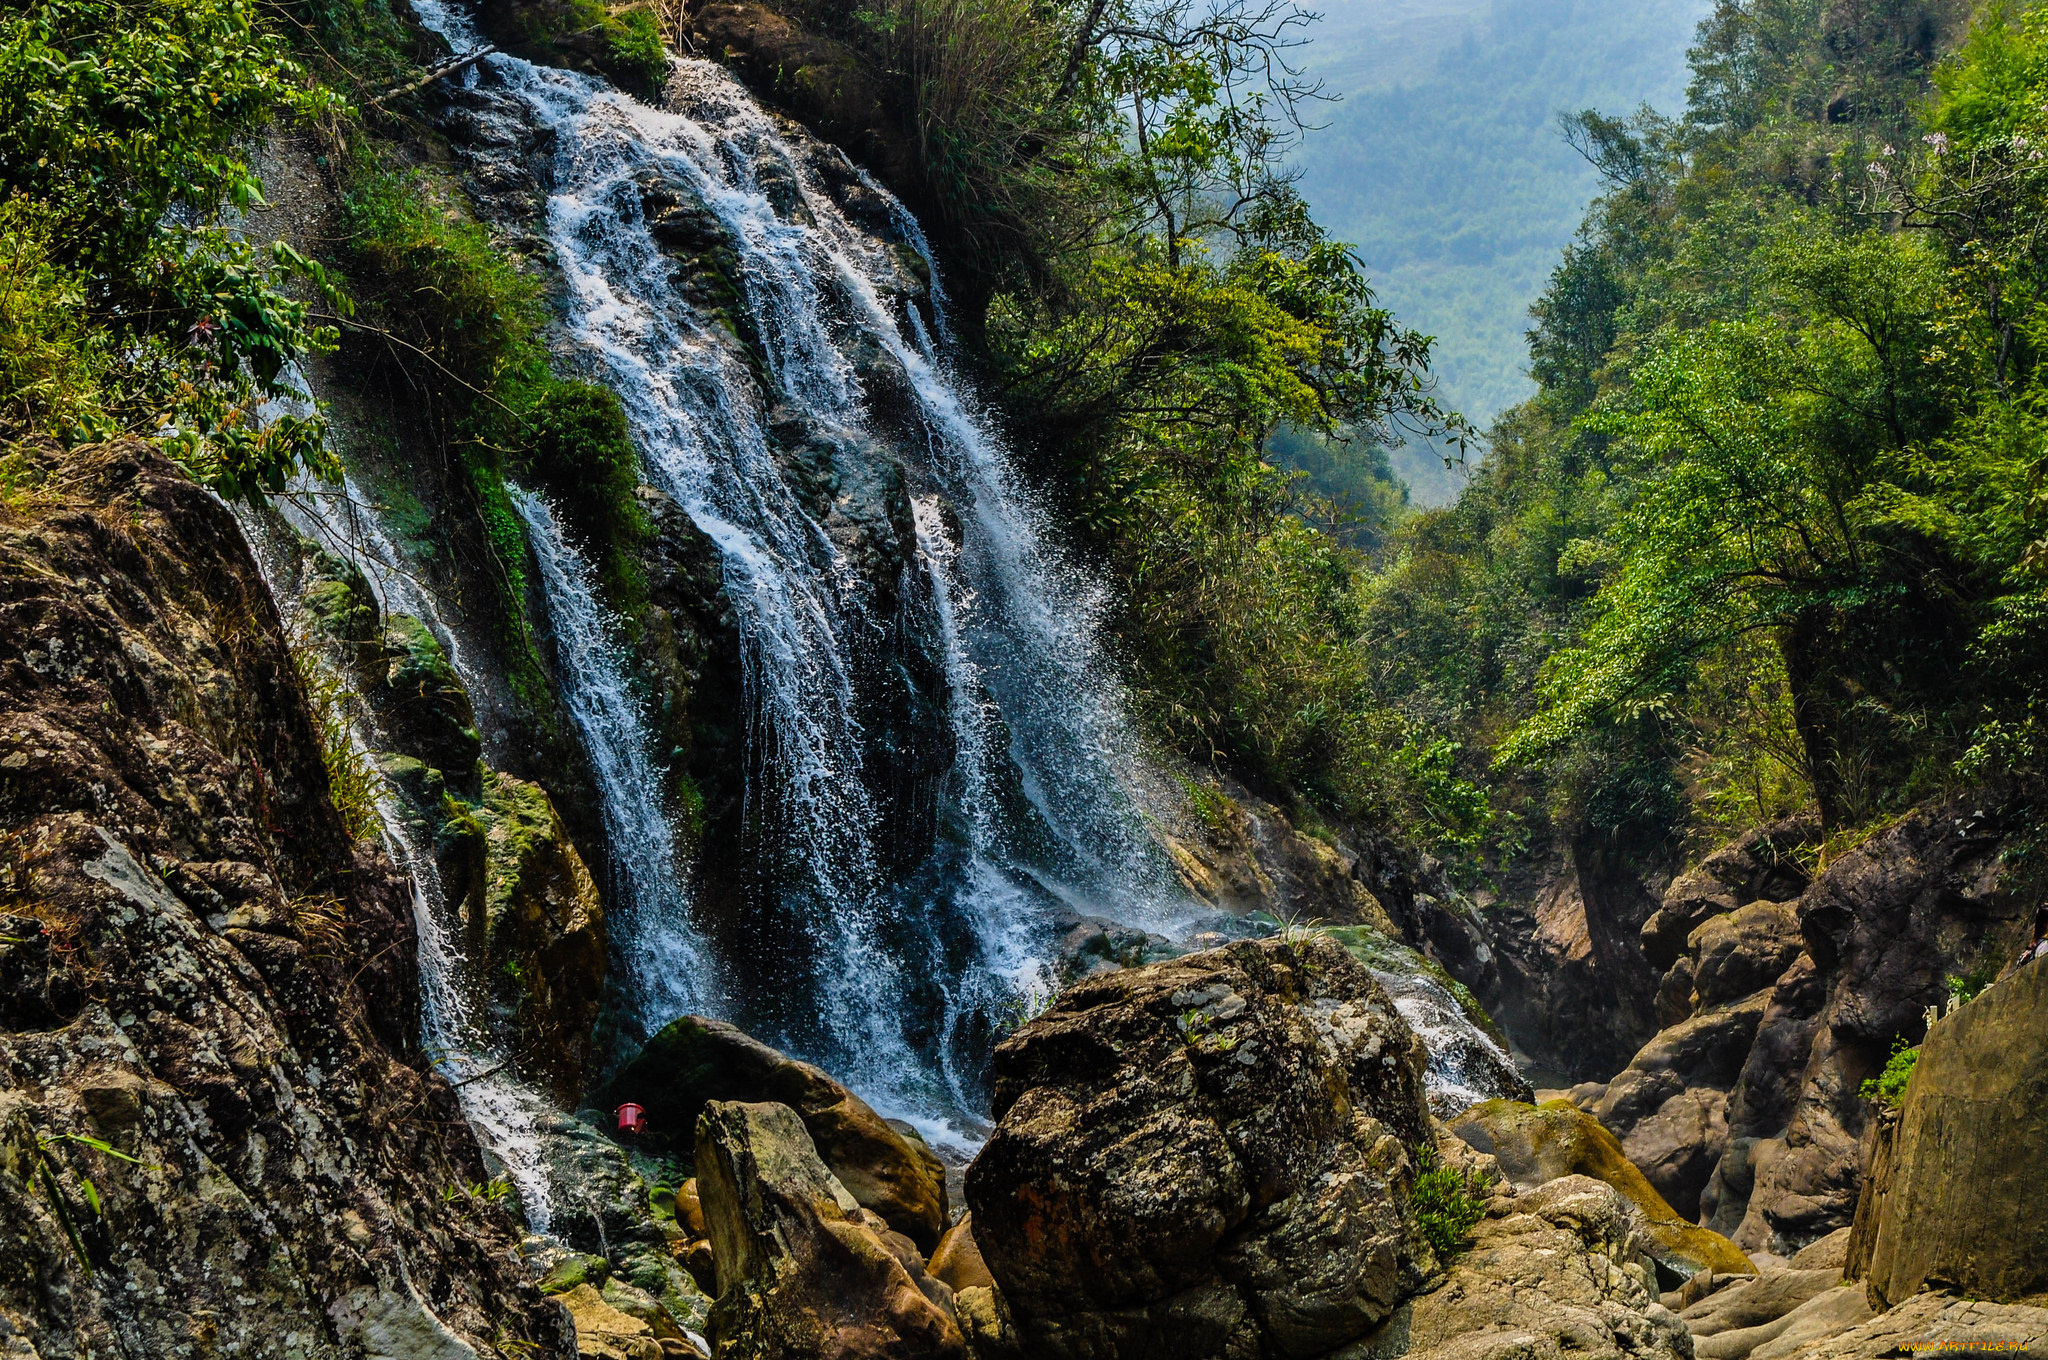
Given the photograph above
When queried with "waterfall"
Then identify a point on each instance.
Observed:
(1035, 806)
(667, 972)
(507, 1115)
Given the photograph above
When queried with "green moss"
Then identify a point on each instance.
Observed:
(687, 805)
(1375, 950)
(523, 832)
(638, 60)
(571, 1271)
(1213, 806)
(580, 450)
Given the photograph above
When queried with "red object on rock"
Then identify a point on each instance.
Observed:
(632, 1119)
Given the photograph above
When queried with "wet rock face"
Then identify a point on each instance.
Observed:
(422, 702)
(215, 982)
(803, 1270)
(532, 913)
(1204, 1157)
(1239, 853)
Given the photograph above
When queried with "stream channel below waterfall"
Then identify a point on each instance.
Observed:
(900, 860)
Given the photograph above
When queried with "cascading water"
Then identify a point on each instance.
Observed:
(1035, 813)
(894, 976)
(668, 971)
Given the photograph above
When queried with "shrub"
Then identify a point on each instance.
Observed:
(1889, 1086)
(581, 452)
(1445, 1204)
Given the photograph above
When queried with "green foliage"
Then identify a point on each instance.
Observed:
(48, 1171)
(1768, 534)
(1346, 488)
(1442, 160)
(1964, 987)
(463, 324)
(123, 310)
(1445, 1204)
(637, 57)
(118, 110)
(581, 451)
(1889, 1086)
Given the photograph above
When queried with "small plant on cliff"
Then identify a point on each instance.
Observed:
(322, 921)
(493, 1191)
(352, 781)
(1445, 1202)
(1297, 933)
(1199, 1031)
(1964, 987)
(1889, 1086)
(1030, 1002)
(47, 1169)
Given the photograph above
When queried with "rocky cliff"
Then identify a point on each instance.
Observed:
(217, 1132)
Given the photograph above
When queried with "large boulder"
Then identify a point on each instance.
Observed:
(1205, 1157)
(1958, 1199)
(1536, 1144)
(694, 1061)
(803, 1270)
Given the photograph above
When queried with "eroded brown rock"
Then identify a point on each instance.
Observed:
(803, 1270)
(205, 973)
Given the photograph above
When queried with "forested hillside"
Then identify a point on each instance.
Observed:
(1769, 535)
(1441, 157)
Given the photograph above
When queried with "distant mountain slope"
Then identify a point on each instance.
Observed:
(1444, 163)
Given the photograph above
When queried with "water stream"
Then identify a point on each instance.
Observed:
(895, 976)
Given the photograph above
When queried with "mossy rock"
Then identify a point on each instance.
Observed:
(622, 43)
(423, 702)
(339, 612)
(1535, 1144)
(540, 927)
(571, 1271)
